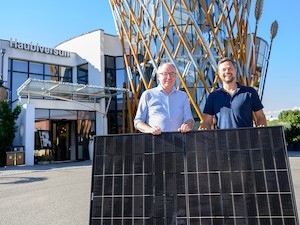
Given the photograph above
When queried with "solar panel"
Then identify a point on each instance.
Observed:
(215, 177)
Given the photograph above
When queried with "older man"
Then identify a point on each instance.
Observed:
(164, 108)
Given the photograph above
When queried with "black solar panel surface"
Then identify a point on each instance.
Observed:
(217, 177)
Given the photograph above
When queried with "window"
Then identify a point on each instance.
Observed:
(65, 74)
(18, 80)
(58, 73)
(115, 76)
(20, 66)
(36, 68)
(19, 71)
(82, 74)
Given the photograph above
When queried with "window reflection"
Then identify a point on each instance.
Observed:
(18, 80)
(42, 114)
(20, 66)
(54, 72)
(63, 114)
(59, 73)
(20, 71)
(115, 76)
(35, 68)
(82, 74)
(49, 69)
(66, 74)
(58, 123)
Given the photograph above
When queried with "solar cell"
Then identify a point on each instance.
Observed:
(238, 176)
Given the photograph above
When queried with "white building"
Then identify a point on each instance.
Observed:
(62, 92)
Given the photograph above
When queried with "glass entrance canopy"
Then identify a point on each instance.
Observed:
(78, 93)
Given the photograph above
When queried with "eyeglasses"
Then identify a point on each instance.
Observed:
(172, 74)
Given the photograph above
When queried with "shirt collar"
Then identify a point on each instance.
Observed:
(159, 87)
(237, 89)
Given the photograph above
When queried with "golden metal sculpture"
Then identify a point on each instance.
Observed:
(194, 35)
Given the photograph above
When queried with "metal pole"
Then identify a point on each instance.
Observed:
(3, 93)
(273, 33)
(2, 51)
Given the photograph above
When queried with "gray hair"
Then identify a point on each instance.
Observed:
(166, 63)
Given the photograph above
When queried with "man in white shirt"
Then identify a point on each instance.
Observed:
(164, 108)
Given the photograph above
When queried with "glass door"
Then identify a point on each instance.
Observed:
(61, 140)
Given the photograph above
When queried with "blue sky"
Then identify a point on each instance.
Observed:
(49, 23)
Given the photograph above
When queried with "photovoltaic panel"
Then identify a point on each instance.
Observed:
(215, 177)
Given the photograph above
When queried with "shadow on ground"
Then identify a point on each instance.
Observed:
(20, 180)
(9, 170)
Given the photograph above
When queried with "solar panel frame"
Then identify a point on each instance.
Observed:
(236, 176)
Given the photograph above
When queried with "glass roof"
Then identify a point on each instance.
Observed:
(34, 87)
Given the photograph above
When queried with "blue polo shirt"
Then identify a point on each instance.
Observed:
(233, 111)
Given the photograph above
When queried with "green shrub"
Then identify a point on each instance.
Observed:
(292, 130)
(8, 127)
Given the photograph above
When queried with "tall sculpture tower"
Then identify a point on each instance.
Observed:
(194, 35)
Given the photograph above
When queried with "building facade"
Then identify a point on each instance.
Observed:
(65, 92)
(84, 86)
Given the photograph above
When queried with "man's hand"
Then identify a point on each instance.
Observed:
(184, 128)
(154, 130)
(207, 122)
(145, 128)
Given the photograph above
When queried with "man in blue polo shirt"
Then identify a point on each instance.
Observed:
(233, 104)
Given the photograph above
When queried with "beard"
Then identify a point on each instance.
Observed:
(229, 80)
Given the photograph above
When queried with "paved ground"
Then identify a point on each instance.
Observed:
(55, 194)
(294, 160)
(59, 194)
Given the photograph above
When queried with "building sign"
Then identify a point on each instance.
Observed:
(38, 48)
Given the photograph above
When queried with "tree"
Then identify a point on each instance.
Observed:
(292, 132)
(8, 127)
(291, 116)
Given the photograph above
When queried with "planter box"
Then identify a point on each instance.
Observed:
(43, 162)
(290, 147)
(293, 147)
(20, 158)
(10, 158)
(297, 146)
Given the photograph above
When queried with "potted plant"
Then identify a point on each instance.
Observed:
(43, 159)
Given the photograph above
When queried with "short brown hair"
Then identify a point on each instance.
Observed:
(226, 59)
